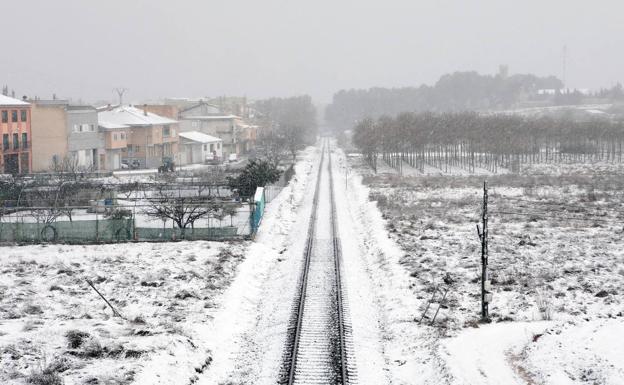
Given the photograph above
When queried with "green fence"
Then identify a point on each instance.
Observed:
(106, 231)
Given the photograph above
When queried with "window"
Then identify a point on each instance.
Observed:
(211, 147)
(206, 147)
(129, 148)
(5, 141)
(14, 116)
(122, 136)
(137, 148)
(218, 146)
(115, 136)
(24, 140)
(76, 128)
(5, 116)
(24, 115)
(92, 127)
(16, 141)
(166, 131)
(84, 128)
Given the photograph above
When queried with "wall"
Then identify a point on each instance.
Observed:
(152, 145)
(84, 136)
(49, 135)
(24, 156)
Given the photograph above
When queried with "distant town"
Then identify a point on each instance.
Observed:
(41, 135)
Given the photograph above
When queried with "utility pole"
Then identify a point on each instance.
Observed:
(486, 296)
(121, 91)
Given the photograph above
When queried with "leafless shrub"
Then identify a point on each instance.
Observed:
(75, 338)
(544, 306)
(92, 348)
(33, 309)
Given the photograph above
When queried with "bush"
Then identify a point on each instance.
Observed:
(44, 377)
(255, 174)
(75, 338)
(92, 348)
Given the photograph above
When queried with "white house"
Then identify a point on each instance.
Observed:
(197, 147)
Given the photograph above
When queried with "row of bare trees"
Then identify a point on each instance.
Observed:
(469, 140)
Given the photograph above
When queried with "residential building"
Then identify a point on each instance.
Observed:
(49, 132)
(15, 131)
(196, 147)
(115, 139)
(84, 142)
(63, 130)
(150, 137)
(238, 137)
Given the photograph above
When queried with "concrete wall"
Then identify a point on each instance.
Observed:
(89, 138)
(49, 135)
(84, 139)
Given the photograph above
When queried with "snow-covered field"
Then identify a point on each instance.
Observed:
(557, 269)
(52, 320)
(217, 313)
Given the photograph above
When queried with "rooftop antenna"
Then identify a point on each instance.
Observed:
(565, 59)
(121, 91)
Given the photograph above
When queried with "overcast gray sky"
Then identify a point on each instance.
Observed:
(258, 48)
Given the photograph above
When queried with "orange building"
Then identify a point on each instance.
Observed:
(15, 149)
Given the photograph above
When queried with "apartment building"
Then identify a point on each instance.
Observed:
(15, 131)
(115, 139)
(63, 130)
(150, 138)
(238, 137)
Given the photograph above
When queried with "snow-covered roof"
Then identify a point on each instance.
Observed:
(132, 116)
(8, 101)
(211, 117)
(112, 126)
(200, 137)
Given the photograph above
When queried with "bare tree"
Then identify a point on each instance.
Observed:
(183, 211)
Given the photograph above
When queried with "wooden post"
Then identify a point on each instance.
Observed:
(115, 312)
(485, 317)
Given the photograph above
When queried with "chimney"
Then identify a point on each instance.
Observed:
(109, 107)
(145, 109)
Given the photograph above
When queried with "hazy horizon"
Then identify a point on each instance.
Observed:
(157, 48)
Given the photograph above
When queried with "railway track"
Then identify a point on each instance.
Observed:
(317, 349)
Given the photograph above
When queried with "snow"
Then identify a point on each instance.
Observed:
(8, 101)
(485, 355)
(259, 193)
(566, 271)
(557, 285)
(199, 137)
(132, 116)
(578, 353)
(255, 317)
(168, 294)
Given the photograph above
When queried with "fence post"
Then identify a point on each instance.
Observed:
(97, 226)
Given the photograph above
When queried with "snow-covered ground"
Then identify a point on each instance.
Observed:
(185, 305)
(218, 313)
(167, 294)
(557, 265)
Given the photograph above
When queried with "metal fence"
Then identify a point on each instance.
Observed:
(21, 227)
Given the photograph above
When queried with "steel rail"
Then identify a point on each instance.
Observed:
(304, 277)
